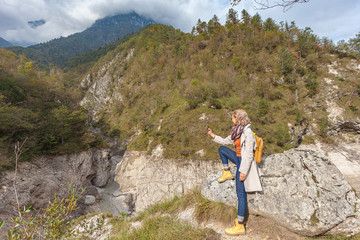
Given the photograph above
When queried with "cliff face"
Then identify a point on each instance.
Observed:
(104, 85)
(304, 190)
(153, 178)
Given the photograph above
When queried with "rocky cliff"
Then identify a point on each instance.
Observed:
(37, 181)
(303, 189)
(152, 178)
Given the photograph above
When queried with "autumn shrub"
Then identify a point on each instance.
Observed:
(51, 222)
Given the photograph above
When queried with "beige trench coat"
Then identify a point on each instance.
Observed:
(248, 165)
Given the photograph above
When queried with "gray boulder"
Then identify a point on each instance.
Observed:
(101, 165)
(302, 190)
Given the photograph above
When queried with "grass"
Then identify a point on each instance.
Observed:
(160, 221)
(204, 208)
(165, 227)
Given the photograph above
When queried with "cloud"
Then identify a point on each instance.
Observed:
(332, 18)
(327, 18)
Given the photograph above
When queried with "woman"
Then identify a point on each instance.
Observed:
(247, 175)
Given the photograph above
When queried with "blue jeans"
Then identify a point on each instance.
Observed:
(227, 154)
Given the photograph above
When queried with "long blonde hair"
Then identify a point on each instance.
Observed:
(241, 117)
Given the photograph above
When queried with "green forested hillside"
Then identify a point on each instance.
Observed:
(274, 71)
(40, 107)
(103, 31)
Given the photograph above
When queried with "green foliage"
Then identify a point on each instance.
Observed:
(353, 108)
(263, 108)
(38, 106)
(354, 44)
(324, 128)
(282, 136)
(51, 222)
(286, 62)
(305, 41)
(312, 84)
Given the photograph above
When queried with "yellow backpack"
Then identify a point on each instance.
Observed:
(259, 148)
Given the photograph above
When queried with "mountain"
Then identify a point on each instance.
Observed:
(103, 31)
(165, 86)
(4, 43)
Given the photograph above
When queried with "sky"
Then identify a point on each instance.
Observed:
(335, 19)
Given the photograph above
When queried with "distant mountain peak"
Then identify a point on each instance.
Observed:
(132, 18)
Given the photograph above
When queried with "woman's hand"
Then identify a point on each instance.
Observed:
(209, 131)
(242, 177)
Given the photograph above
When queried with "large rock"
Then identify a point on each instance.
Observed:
(151, 178)
(102, 165)
(303, 191)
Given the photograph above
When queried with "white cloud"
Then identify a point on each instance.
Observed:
(333, 18)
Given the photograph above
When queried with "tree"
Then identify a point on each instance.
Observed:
(200, 27)
(305, 41)
(232, 16)
(245, 17)
(354, 44)
(256, 21)
(214, 25)
(270, 25)
(266, 4)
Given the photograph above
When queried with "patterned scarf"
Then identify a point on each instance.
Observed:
(237, 131)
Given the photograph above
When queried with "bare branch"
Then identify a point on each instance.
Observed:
(266, 4)
(18, 151)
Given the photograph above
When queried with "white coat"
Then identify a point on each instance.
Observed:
(248, 165)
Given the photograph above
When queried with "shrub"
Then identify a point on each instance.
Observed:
(286, 61)
(263, 107)
(49, 223)
(282, 135)
(312, 84)
(353, 108)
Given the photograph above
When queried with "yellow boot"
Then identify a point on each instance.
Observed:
(237, 229)
(225, 176)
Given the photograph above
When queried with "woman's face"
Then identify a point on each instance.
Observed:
(233, 119)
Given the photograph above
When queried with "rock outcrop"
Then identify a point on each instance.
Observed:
(104, 84)
(38, 180)
(303, 191)
(151, 178)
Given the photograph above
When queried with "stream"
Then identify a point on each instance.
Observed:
(112, 197)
